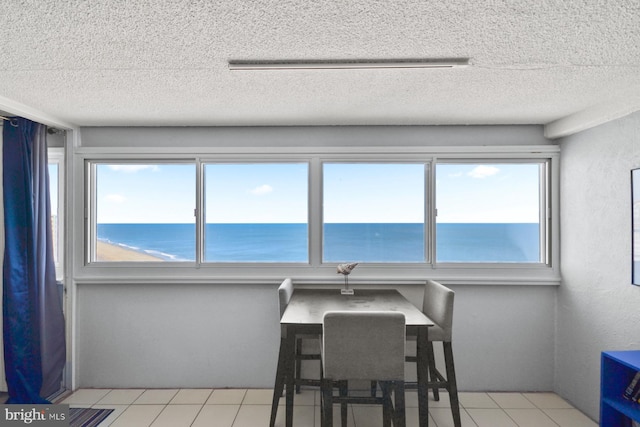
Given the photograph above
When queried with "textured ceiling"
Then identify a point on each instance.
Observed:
(569, 64)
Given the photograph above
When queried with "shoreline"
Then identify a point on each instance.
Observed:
(113, 253)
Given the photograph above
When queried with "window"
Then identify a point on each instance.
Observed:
(272, 215)
(144, 212)
(56, 197)
(489, 212)
(373, 212)
(256, 212)
(53, 198)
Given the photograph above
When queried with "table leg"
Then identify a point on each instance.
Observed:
(423, 377)
(289, 350)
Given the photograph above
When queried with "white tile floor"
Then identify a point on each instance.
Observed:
(252, 407)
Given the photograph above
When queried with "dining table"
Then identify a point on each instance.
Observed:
(304, 315)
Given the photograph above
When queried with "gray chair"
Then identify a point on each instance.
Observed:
(285, 290)
(438, 306)
(363, 346)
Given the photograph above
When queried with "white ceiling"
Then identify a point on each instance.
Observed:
(567, 64)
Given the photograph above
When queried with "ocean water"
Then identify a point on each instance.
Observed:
(342, 242)
(488, 242)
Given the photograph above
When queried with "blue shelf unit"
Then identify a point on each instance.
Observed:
(617, 371)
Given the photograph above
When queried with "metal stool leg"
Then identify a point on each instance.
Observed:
(433, 376)
(298, 363)
(278, 388)
(451, 384)
(399, 419)
(327, 403)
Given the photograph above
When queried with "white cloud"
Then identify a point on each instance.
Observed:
(132, 168)
(261, 190)
(483, 171)
(115, 198)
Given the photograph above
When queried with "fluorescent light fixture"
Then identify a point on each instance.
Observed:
(348, 64)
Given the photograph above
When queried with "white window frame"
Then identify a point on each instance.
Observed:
(55, 155)
(315, 272)
(427, 165)
(544, 213)
(90, 249)
(201, 217)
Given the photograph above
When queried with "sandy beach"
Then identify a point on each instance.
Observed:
(109, 252)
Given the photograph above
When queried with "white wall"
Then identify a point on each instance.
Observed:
(213, 335)
(598, 308)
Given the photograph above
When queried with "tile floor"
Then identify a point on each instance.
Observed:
(251, 408)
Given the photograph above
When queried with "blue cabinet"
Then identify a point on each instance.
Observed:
(618, 370)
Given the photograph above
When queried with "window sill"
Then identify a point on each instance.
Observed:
(486, 275)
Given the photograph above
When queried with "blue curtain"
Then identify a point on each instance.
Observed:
(33, 322)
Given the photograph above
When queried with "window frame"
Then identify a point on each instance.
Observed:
(92, 224)
(427, 165)
(56, 155)
(201, 217)
(315, 272)
(544, 214)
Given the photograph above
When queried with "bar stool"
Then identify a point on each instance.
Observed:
(363, 345)
(285, 290)
(438, 306)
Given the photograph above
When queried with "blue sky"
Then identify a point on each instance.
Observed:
(146, 193)
(496, 193)
(373, 193)
(256, 193)
(246, 193)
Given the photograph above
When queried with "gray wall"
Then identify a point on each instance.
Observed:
(170, 336)
(316, 136)
(199, 335)
(598, 308)
(216, 335)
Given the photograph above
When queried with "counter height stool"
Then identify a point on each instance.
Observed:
(438, 306)
(363, 345)
(285, 290)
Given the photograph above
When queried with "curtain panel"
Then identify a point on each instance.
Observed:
(33, 322)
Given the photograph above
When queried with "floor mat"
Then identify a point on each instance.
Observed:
(87, 417)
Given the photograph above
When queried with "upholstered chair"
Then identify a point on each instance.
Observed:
(363, 345)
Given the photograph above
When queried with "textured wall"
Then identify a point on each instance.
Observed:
(598, 308)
